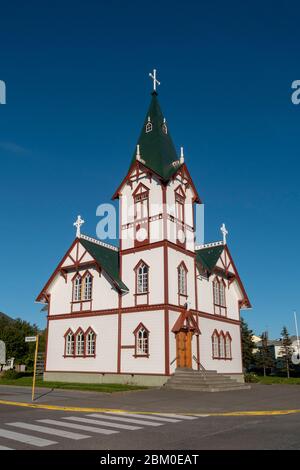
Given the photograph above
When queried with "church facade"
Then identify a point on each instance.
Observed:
(157, 302)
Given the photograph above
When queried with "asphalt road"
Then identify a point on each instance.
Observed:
(28, 428)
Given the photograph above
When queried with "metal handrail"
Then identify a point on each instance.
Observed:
(175, 359)
(201, 367)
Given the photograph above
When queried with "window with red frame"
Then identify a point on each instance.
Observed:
(219, 296)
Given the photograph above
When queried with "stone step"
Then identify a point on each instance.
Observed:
(202, 383)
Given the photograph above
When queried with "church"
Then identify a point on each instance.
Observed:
(156, 303)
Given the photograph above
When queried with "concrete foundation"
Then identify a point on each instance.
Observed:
(127, 379)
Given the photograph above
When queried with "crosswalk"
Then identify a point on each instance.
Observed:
(76, 428)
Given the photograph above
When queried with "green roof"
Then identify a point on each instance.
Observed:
(208, 257)
(156, 147)
(107, 259)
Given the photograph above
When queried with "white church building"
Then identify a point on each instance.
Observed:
(156, 303)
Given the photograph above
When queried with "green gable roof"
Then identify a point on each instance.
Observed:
(208, 257)
(156, 147)
(106, 258)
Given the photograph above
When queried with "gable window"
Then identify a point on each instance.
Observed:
(149, 126)
(164, 127)
(142, 278)
(77, 288)
(179, 203)
(215, 344)
(87, 288)
(69, 343)
(141, 341)
(182, 279)
(219, 296)
(80, 343)
(90, 343)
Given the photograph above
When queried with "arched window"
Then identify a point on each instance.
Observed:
(77, 288)
(228, 346)
(182, 279)
(215, 344)
(216, 289)
(142, 278)
(219, 294)
(141, 341)
(222, 345)
(87, 289)
(90, 343)
(222, 294)
(149, 126)
(69, 343)
(79, 343)
(164, 127)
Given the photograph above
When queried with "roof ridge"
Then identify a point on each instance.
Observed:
(98, 242)
(209, 245)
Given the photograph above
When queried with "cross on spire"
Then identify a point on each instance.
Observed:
(224, 232)
(155, 81)
(78, 224)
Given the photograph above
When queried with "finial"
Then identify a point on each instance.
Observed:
(181, 156)
(155, 81)
(138, 155)
(224, 232)
(78, 224)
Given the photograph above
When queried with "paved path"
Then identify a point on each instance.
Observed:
(259, 397)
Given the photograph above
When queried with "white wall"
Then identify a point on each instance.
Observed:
(154, 258)
(104, 293)
(207, 327)
(154, 322)
(106, 329)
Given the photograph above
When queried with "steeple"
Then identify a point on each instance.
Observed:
(156, 148)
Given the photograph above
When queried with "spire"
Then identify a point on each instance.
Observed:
(155, 144)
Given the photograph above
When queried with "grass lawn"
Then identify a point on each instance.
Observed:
(107, 388)
(269, 380)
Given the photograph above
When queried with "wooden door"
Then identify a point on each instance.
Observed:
(184, 349)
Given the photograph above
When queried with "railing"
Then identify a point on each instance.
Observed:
(175, 359)
(200, 366)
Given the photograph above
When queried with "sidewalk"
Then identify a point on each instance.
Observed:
(258, 398)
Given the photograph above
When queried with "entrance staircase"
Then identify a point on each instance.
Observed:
(203, 381)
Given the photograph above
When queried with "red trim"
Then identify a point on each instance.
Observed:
(43, 291)
(138, 294)
(142, 308)
(89, 330)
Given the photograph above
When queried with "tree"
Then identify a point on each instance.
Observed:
(286, 349)
(264, 357)
(247, 344)
(13, 333)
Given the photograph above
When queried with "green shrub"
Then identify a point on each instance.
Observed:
(250, 377)
(12, 374)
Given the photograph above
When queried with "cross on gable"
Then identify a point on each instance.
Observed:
(77, 224)
(224, 232)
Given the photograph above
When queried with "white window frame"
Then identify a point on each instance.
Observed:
(70, 339)
(80, 343)
(142, 279)
(88, 286)
(77, 294)
(142, 342)
(91, 343)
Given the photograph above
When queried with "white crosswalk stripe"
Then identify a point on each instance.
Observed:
(126, 420)
(47, 430)
(5, 448)
(77, 426)
(103, 423)
(173, 415)
(145, 416)
(26, 439)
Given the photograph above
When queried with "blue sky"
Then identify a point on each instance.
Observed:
(77, 92)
